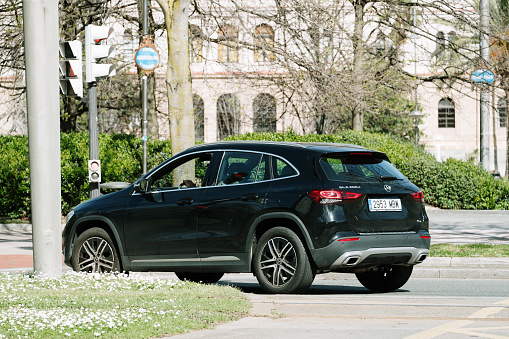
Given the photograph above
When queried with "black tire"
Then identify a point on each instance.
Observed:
(280, 262)
(95, 252)
(198, 277)
(387, 279)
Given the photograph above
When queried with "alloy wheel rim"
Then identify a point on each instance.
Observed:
(96, 256)
(278, 261)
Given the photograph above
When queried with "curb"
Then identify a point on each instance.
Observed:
(463, 268)
(23, 228)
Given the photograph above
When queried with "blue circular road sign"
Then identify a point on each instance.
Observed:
(482, 76)
(147, 58)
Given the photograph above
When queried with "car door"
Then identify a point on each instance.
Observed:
(160, 223)
(228, 208)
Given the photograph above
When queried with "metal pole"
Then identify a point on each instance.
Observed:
(415, 72)
(145, 17)
(40, 27)
(144, 93)
(485, 94)
(145, 122)
(416, 132)
(93, 137)
(494, 123)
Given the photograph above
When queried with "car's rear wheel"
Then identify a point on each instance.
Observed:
(198, 277)
(385, 279)
(95, 252)
(280, 262)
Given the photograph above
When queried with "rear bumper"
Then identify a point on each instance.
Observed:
(381, 256)
(373, 250)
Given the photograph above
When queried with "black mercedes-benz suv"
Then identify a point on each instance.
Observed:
(283, 211)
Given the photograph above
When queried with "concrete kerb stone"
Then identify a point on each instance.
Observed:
(463, 268)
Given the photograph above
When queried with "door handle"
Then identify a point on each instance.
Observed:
(184, 201)
(249, 197)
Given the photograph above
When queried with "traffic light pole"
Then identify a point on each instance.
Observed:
(144, 90)
(94, 188)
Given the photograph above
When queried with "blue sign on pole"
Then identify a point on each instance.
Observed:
(147, 58)
(482, 76)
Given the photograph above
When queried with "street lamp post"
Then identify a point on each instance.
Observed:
(416, 115)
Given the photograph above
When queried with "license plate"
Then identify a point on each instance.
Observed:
(380, 205)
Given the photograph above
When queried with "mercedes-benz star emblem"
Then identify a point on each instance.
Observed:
(388, 188)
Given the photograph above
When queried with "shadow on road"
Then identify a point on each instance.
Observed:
(315, 289)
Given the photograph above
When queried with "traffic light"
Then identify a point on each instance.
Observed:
(95, 52)
(94, 171)
(71, 68)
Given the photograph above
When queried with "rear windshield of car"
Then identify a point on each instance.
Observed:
(362, 167)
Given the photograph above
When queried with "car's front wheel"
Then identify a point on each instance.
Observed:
(385, 279)
(280, 262)
(95, 252)
(198, 277)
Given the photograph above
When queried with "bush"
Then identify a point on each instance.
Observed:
(452, 184)
(121, 160)
(449, 184)
(14, 177)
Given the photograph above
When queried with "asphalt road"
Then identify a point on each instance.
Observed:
(422, 309)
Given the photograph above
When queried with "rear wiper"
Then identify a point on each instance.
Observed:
(388, 178)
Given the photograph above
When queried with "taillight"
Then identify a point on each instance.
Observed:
(325, 197)
(417, 196)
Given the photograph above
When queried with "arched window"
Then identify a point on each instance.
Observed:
(264, 42)
(195, 44)
(227, 48)
(228, 115)
(502, 112)
(264, 111)
(199, 117)
(128, 46)
(380, 44)
(440, 46)
(446, 114)
(451, 45)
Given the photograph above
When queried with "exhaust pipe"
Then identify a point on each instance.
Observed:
(351, 261)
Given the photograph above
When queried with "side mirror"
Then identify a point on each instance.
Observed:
(141, 186)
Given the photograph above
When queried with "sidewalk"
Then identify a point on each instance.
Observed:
(16, 255)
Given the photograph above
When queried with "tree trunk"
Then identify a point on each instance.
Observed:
(507, 142)
(178, 82)
(357, 110)
(68, 116)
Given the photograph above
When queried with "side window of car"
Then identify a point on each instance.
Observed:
(173, 175)
(282, 169)
(239, 167)
(263, 172)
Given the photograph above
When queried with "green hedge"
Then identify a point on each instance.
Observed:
(452, 184)
(121, 157)
(449, 184)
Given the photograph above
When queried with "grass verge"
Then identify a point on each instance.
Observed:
(469, 250)
(112, 306)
